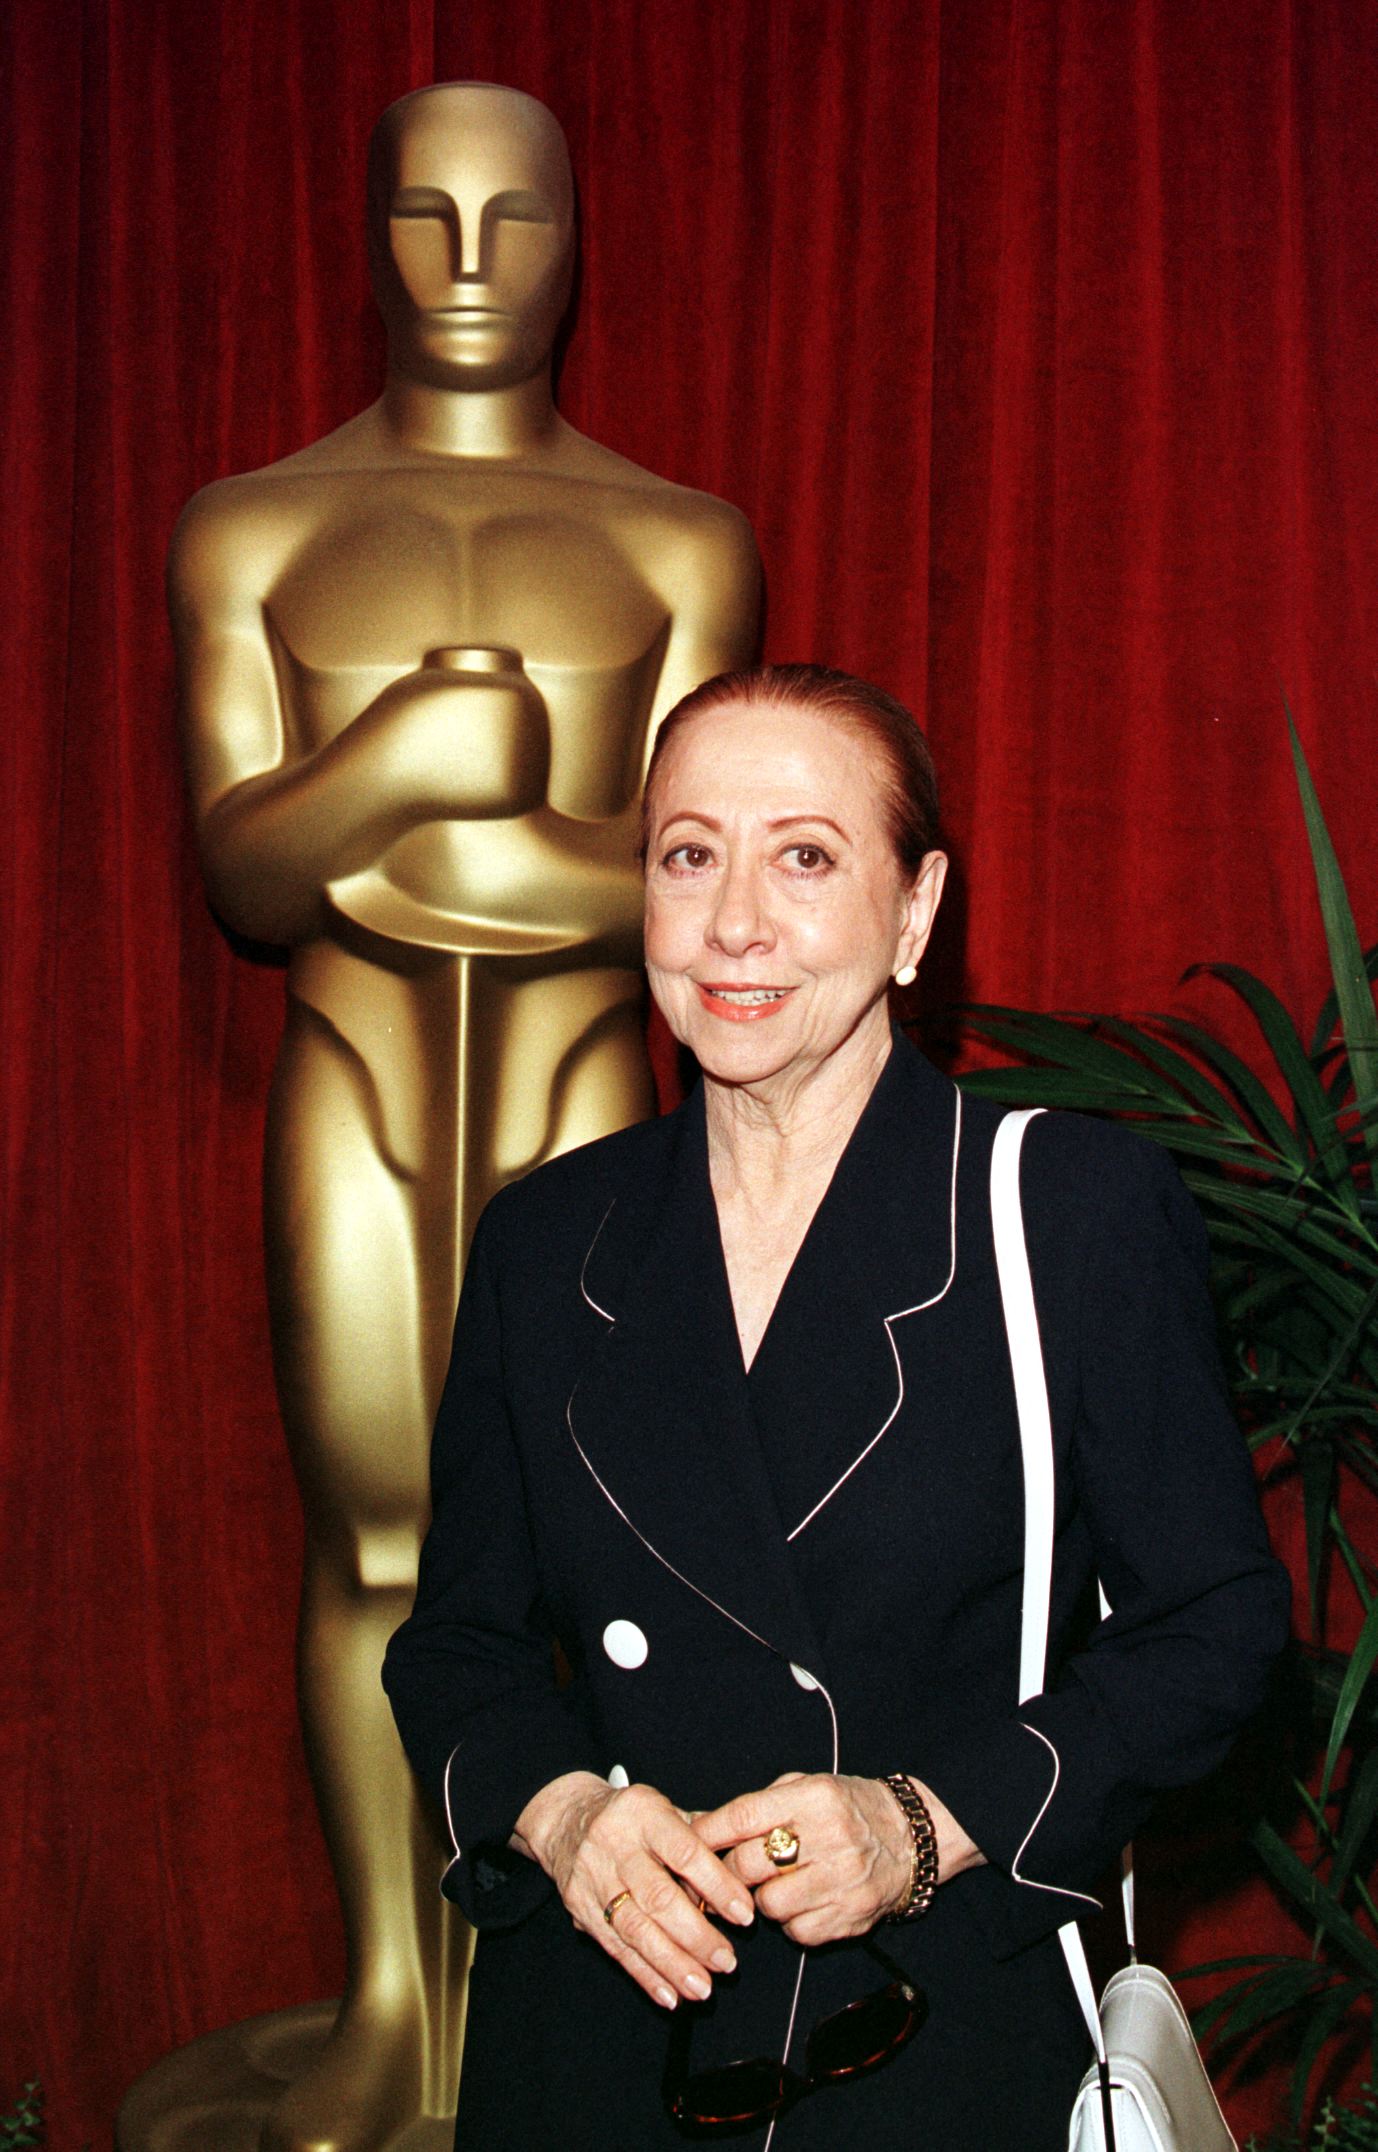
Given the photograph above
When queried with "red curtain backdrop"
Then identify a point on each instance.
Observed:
(1038, 340)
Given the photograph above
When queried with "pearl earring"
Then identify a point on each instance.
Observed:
(906, 975)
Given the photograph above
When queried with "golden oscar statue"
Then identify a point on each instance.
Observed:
(421, 662)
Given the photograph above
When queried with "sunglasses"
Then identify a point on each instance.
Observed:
(740, 2096)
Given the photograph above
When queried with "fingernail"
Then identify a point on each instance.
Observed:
(667, 1998)
(742, 1911)
(722, 1961)
(698, 1986)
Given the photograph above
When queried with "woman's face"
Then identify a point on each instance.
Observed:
(775, 909)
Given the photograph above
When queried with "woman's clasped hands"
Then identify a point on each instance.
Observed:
(642, 1877)
(855, 1850)
(635, 1876)
(853, 1861)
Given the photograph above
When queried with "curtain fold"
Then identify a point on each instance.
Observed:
(1038, 340)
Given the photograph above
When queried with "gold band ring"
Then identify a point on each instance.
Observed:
(613, 1903)
(781, 1846)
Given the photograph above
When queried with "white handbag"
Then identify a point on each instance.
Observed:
(1147, 2090)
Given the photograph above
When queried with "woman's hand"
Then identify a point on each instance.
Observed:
(595, 1842)
(855, 1851)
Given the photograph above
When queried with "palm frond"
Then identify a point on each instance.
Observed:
(1353, 992)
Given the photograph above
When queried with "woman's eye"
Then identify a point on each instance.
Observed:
(809, 858)
(691, 857)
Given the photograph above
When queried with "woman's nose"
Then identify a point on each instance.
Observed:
(741, 918)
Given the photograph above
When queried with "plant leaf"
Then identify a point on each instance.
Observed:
(1319, 1907)
(1328, 1015)
(1168, 1096)
(1346, 1345)
(1314, 1117)
(1351, 1688)
(1303, 1208)
(1182, 1073)
(1317, 1460)
(1234, 1965)
(1353, 994)
(1250, 2003)
(1350, 1558)
(1328, 2015)
(1023, 1086)
(1360, 1808)
(1253, 1095)
(1068, 1045)
(1253, 1209)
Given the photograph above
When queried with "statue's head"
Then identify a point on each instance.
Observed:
(471, 233)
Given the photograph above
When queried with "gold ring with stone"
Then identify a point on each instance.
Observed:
(782, 1846)
(614, 1904)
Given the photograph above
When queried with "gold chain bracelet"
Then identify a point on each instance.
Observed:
(923, 1859)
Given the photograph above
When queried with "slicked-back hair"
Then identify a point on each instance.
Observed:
(890, 733)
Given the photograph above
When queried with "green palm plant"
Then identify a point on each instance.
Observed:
(1283, 1160)
(1336, 2129)
(21, 2126)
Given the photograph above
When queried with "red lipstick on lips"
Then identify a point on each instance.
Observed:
(741, 1012)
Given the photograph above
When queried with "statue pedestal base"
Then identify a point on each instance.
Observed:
(213, 2096)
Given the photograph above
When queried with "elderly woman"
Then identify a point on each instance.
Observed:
(730, 1416)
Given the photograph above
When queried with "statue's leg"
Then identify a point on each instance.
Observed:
(575, 1046)
(346, 1257)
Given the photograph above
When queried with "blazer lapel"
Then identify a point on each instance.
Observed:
(660, 1413)
(840, 1357)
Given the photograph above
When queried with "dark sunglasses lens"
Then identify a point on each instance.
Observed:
(865, 2034)
(742, 2093)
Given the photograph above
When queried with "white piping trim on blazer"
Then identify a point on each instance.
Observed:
(837, 1743)
(789, 2037)
(765, 1642)
(803, 1954)
(678, 1574)
(583, 1268)
(1032, 1882)
(449, 1818)
(608, 1496)
(899, 1316)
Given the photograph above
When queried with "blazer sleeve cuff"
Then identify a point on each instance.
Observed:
(1001, 1783)
(487, 1783)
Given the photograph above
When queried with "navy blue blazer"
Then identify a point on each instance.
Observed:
(818, 1565)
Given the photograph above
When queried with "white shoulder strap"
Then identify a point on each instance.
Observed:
(1036, 1441)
